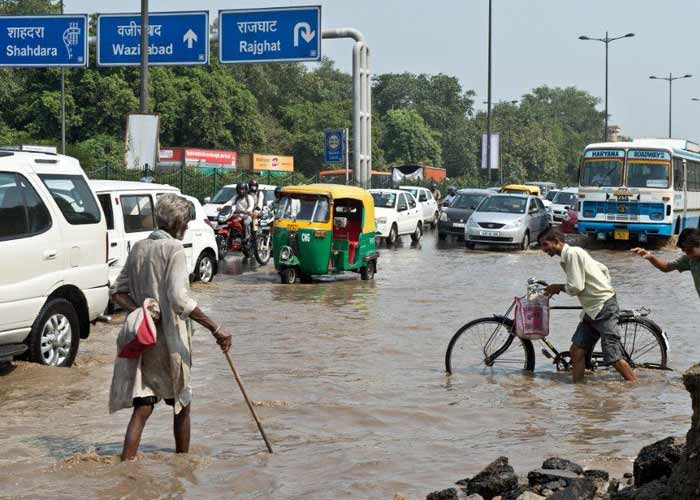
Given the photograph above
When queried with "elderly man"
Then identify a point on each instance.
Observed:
(157, 268)
(589, 281)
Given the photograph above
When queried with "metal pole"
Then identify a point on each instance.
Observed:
(63, 103)
(605, 132)
(488, 105)
(144, 57)
(670, 102)
(346, 154)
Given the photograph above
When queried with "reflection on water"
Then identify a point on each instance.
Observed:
(348, 378)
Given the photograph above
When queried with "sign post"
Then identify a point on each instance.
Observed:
(287, 34)
(44, 41)
(174, 38)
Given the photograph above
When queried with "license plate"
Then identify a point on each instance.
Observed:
(622, 234)
(488, 233)
(458, 224)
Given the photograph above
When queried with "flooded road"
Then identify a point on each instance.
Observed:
(350, 384)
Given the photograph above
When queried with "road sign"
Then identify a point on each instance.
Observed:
(44, 40)
(270, 35)
(334, 146)
(174, 38)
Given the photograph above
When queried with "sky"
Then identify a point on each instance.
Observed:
(535, 42)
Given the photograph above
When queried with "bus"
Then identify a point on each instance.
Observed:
(639, 190)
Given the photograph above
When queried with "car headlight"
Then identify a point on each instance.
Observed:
(472, 223)
(380, 220)
(514, 224)
(286, 253)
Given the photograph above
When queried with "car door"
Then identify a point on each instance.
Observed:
(431, 205)
(544, 219)
(116, 252)
(402, 214)
(31, 247)
(414, 212)
(137, 216)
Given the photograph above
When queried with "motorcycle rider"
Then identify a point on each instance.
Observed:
(244, 204)
(435, 192)
(451, 195)
(257, 194)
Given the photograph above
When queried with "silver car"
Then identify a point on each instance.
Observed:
(507, 219)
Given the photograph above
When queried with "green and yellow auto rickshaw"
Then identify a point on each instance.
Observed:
(324, 229)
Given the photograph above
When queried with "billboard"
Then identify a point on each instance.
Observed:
(142, 145)
(495, 151)
(175, 157)
(273, 162)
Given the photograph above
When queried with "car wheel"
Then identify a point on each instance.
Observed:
(204, 271)
(367, 272)
(288, 275)
(415, 237)
(55, 335)
(442, 236)
(393, 236)
(469, 245)
(525, 244)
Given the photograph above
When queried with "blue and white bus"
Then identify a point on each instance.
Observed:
(647, 188)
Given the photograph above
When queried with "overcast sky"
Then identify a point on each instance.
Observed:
(535, 43)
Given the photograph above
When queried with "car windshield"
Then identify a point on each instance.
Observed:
(563, 198)
(304, 207)
(413, 191)
(551, 194)
(467, 201)
(602, 173)
(384, 199)
(647, 175)
(224, 195)
(504, 204)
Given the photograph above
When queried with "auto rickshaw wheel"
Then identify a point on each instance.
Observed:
(288, 275)
(367, 272)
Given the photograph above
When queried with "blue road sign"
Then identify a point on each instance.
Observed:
(334, 146)
(270, 35)
(44, 40)
(174, 38)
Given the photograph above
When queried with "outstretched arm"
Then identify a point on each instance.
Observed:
(660, 264)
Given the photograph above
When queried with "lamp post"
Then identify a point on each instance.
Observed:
(488, 106)
(606, 41)
(513, 103)
(670, 79)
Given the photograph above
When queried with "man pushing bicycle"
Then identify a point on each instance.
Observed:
(589, 281)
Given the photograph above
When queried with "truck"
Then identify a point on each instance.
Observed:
(417, 172)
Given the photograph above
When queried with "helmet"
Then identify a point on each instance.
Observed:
(278, 192)
(433, 186)
(253, 186)
(451, 189)
(241, 189)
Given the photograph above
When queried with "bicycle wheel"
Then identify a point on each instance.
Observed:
(489, 344)
(643, 343)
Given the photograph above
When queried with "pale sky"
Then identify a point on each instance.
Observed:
(535, 42)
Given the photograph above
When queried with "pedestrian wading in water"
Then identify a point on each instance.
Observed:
(157, 269)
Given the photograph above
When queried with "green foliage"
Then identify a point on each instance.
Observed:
(408, 139)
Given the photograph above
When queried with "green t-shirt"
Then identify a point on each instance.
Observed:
(685, 263)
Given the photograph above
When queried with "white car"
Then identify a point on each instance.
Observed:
(562, 201)
(429, 205)
(53, 250)
(129, 209)
(212, 206)
(396, 213)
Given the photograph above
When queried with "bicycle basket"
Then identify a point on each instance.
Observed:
(532, 317)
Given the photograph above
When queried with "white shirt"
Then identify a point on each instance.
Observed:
(587, 279)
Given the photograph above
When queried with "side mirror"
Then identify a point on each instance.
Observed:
(207, 199)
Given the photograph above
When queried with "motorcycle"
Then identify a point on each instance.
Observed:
(230, 235)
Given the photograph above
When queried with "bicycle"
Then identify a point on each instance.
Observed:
(485, 342)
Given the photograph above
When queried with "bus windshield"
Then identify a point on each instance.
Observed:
(647, 175)
(602, 173)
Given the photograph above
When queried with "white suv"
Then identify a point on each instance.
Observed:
(53, 257)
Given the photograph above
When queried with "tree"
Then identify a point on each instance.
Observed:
(29, 7)
(408, 139)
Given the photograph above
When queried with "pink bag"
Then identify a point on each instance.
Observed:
(532, 317)
(139, 330)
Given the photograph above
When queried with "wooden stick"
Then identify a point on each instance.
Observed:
(247, 400)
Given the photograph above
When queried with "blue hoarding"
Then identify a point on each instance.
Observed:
(180, 38)
(334, 146)
(270, 35)
(44, 40)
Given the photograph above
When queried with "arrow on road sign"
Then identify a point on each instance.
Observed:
(190, 37)
(306, 33)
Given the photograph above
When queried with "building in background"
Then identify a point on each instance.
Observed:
(614, 133)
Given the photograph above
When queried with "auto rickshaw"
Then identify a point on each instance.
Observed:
(324, 229)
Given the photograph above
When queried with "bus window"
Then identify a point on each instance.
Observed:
(601, 173)
(647, 175)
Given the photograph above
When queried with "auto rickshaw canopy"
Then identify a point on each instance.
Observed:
(521, 188)
(339, 192)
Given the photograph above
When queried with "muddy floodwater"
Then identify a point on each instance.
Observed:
(350, 385)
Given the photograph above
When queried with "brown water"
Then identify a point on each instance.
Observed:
(351, 387)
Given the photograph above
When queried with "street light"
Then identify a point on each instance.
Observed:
(488, 106)
(606, 41)
(670, 79)
(512, 103)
